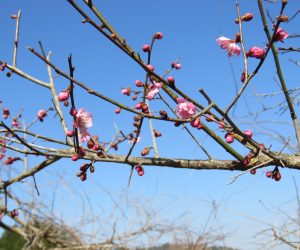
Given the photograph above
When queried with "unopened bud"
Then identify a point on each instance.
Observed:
(145, 151)
(90, 144)
(145, 108)
(92, 169)
(163, 113)
(282, 18)
(156, 133)
(247, 17)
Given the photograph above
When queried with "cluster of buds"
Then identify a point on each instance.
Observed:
(230, 45)
(114, 145)
(143, 106)
(247, 159)
(80, 154)
(93, 143)
(82, 174)
(10, 160)
(139, 169)
(245, 18)
(176, 65)
(275, 174)
(196, 123)
(3, 148)
(221, 123)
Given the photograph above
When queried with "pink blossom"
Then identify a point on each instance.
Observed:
(155, 87)
(83, 121)
(280, 35)
(63, 96)
(228, 44)
(256, 52)
(185, 109)
(42, 114)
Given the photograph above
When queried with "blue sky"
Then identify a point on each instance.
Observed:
(190, 30)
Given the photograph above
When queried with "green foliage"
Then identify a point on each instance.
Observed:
(11, 241)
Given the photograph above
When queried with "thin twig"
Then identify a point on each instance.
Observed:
(20, 139)
(278, 68)
(16, 42)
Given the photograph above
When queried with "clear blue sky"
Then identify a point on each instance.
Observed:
(190, 29)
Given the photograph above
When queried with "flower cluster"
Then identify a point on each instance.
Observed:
(83, 121)
(154, 89)
(231, 47)
(185, 109)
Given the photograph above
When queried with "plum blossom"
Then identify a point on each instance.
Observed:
(185, 109)
(155, 87)
(83, 121)
(229, 44)
(280, 35)
(256, 52)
